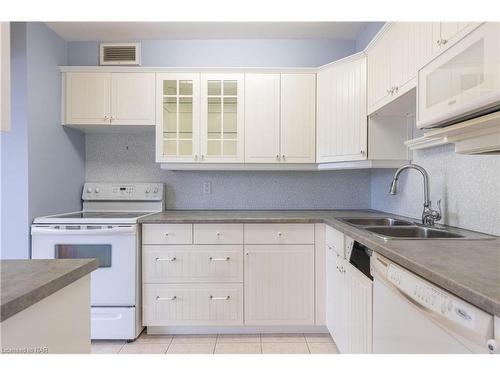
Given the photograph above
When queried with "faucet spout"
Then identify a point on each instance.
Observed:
(429, 216)
(394, 183)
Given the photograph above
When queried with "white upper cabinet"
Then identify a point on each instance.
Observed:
(133, 98)
(400, 50)
(88, 98)
(222, 118)
(110, 98)
(262, 118)
(341, 108)
(298, 117)
(178, 117)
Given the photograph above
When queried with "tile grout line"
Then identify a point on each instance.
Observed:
(169, 343)
(307, 343)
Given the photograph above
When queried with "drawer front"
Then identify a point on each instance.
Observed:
(192, 304)
(334, 240)
(192, 263)
(167, 234)
(279, 234)
(218, 233)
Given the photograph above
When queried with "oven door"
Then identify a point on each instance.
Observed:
(115, 247)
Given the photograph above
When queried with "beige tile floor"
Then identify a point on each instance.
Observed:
(221, 344)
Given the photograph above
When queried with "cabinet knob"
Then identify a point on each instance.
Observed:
(280, 234)
(217, 234)
(166, 234)
(111, 118)
(247, 253)
(283, 156)
(195, 157)
(106, 117)
(277, 157)
(362, 152)
(202, 157)
(443, 42)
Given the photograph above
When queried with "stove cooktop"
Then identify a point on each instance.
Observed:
(93, 217)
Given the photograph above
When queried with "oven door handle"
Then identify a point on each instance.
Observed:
(130, 229)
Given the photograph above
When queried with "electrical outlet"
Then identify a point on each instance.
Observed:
(207, 188)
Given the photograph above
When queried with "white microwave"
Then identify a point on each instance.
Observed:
(463, 81)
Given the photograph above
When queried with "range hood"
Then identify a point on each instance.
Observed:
(479, 135)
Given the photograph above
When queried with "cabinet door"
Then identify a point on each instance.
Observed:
(358, 317)
(339, 312)
(333, 290)
(402, 72)
(177, 127)
(378, 73)
(342, 122)
(133, 98)
(451, 31)
(88, 98)
(222, 111)
(279, 284)
(298, 112)
(262, 118)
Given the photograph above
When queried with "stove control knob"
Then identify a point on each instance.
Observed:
(89, 190)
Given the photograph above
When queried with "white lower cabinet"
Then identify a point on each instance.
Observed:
(348, 304)
(192, 263)
(279, 284)
(192, 304)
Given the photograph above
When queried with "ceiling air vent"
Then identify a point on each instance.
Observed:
(120, 54)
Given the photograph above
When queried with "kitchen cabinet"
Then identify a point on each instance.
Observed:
(208, 274)
(132, 99)
(298, 118)
(101, 98)
(348, 299)
(88, 98)
(262, 118)
(178, 117)
(341, 106)
(222, 118)
(279, 284)
(279, 118)
(400, 49)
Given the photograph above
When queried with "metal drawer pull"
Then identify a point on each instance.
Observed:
(158, 298)
(220, 298)
(219, 259)
(173, 259)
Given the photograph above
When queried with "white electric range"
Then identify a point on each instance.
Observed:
(105, 229)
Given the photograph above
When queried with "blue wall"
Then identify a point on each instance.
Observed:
(367, 34)
(43, 163)
(14, 161)
(226, 52)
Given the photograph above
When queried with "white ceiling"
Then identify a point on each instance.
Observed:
(124, 31)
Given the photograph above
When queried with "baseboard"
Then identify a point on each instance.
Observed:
(162, 330)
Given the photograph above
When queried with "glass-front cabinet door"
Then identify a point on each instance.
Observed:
(221, 138)
(178, 117)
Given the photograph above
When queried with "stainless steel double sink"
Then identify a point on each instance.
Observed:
(392, 228)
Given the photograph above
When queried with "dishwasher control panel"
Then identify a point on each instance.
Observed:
(431, 298)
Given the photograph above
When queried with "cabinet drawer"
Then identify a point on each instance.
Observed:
(334, 240)
(282, 234)
(218, 233)
(192, 263)
(192, 304)
(167, 234)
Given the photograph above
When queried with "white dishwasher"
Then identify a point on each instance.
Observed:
(411, 315)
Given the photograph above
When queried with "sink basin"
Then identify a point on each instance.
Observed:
(412, 232)
(376, 221)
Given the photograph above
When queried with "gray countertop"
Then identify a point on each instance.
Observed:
(25, 282)
(467, 268)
